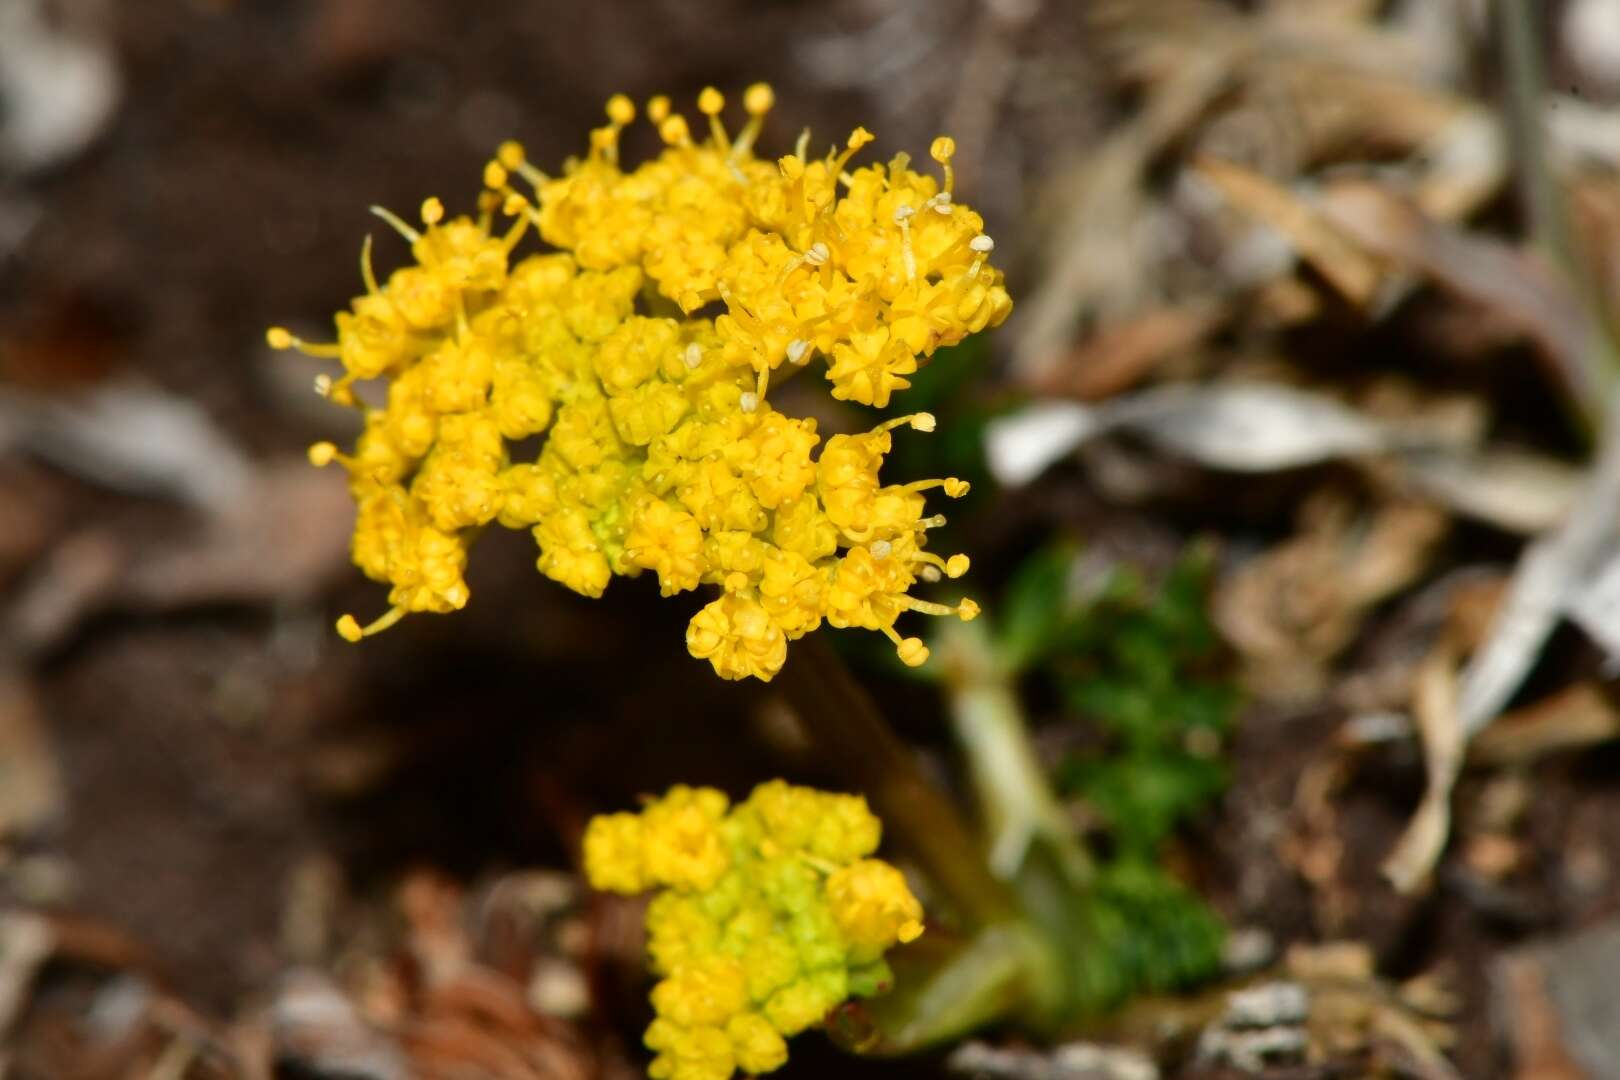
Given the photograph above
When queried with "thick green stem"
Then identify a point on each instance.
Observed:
(945, 990)
(849, 731)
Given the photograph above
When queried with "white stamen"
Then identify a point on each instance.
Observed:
(942, 203)
(323, 385)
(929, 573)
(881, 549)
(798, 351)
(935, 522)
(694, 355)
(982, 243)
(903, 214)
(748, 402)
(817, 254)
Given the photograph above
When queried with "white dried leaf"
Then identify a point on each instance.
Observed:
(56, 91)
(1242, 427)
(133, 438)
(1022, 446)
(1258, 427)
(1595, 607)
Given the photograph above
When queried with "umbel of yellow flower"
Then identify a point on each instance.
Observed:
(769, 915)
(661, 452)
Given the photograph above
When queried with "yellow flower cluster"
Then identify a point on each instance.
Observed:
(661, 453)
(770, 916)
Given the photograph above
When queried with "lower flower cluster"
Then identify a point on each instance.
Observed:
(770, 914)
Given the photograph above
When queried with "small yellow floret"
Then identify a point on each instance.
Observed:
(874, 907)
(348, 628)
(759, 99)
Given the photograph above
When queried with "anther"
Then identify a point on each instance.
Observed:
(321, 454)
(956, 566)
(349, 628)
(495, 176)
(280, 338)
(432, 211)
(658, 108)
(798, 351)
(758, 99)
(323, 385)
(923, 421)
(955, 488)
(510, 154)
(967, 610)
(748, 401)
(881, 549)
(913, 653)
(673, 130)
(694, 356)
(621, 110)
(937, 521)
(710, 101)
(982, 244)
(929, 574)
(817, 254)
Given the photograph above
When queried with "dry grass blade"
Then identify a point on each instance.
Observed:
(1434, 705)
(1345, 265)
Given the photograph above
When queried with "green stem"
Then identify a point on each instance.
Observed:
(849, 731)
(945, 990)
(1015, 797)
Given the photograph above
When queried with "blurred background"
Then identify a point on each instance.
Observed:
(1307, 398)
